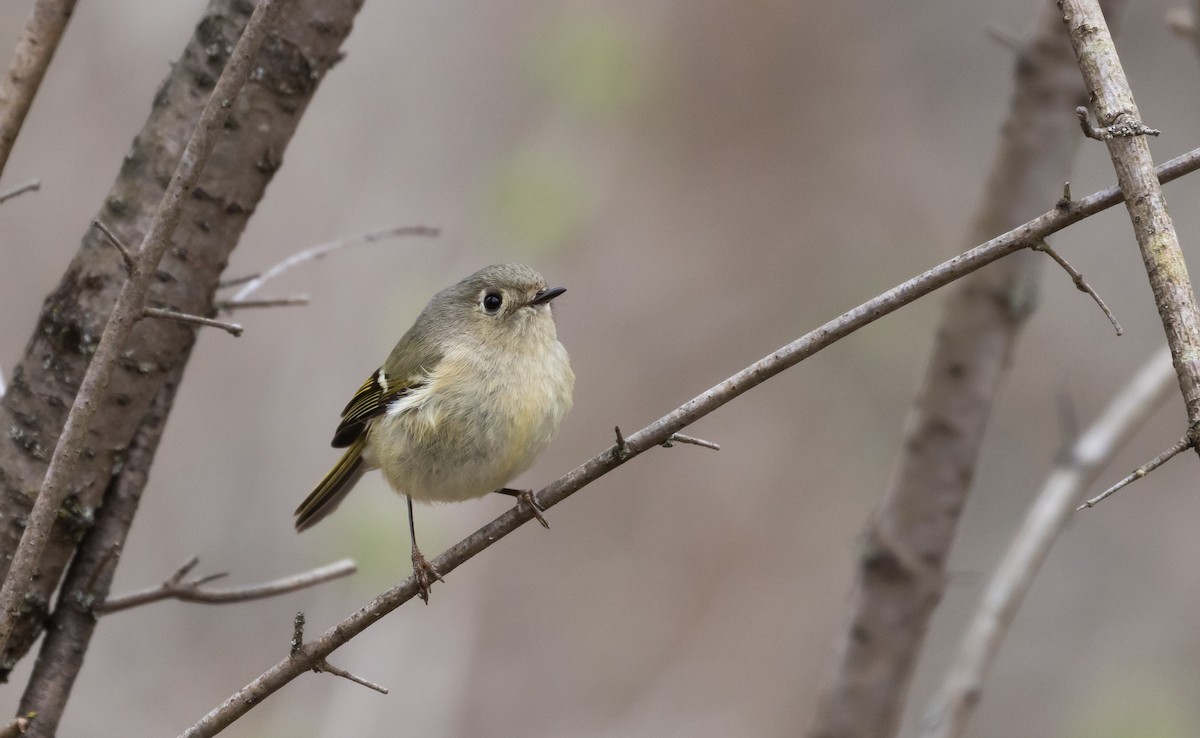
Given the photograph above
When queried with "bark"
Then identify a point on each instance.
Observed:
(44, 384)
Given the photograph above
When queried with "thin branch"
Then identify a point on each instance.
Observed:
(325, 666)
(176, 588)
(318, 252)
(1183, 444)
(1080, 283)
(653, 435)
(31, 57)
(680, 438)
(1117, 112)
(231, 328)
(1131, 407)
(231, 305)
(235, 281)
(126, 312)
(30, 186)
(118, 243)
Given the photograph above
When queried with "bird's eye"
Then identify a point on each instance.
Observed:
(492, 302)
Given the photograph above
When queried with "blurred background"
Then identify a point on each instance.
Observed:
(710, 180)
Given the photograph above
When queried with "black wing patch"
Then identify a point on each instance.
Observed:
(370, 401)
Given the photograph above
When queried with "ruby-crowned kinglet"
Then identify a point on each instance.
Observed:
(466, 401)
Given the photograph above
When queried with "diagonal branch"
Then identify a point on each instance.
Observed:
(947, 713)
(126, 312)
(1117, 113)
(31, 57)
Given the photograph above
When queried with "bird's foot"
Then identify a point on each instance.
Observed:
(525, 497)
(425, 573)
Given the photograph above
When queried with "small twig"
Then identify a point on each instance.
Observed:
(1125, 127)
(622, 448)
(1080, 283)
(30, 186)
(1183, 444)
(176, 588)
(297, 635)
(680, 438)
(231, 305)
(317, 252)
(1065, 202)
(325, 666)
(235, 281)
(17, 727)
(112, 238)
(232, 328)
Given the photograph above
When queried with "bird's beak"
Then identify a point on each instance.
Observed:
(545, 296)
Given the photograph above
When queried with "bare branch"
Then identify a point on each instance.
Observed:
(31, 57)
(1080, 283)
(177, 589)
(318, 252)
(680, 438)
(231, 328)
(324, 665)
(126, 312)
(1118, 115)
(30, 186)
(116, 242)
(231, 305)
(1183, 444)
(1078, 468)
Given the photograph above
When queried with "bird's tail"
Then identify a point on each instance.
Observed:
(333, 488)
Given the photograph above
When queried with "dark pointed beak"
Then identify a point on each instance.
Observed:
(546, 296)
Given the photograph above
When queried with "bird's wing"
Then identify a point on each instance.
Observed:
(372, 400)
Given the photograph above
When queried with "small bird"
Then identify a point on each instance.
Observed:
(469, 397)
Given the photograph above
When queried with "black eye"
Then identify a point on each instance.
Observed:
(492, 302)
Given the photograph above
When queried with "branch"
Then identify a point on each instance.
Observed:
(125, 313)
(323, 665)
(317, 252)
(31, 57)
(1183, 444)
(1130, 154)
(654, 435)
(1080, 283)
(31, 186)
(177, 589)
(231, 305)
(231, 328)
(950, 708)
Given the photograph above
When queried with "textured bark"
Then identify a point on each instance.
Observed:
(44, 384)
(901, 569)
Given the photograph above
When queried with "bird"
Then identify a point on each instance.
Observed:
(469, 397)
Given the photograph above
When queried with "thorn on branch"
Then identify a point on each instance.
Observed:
(622, 449)
(30, 186)
(1183, 444)
(1126, 127)
(126, 255)
(232, 328)
(1065, 203)
(680, 438)
(1080, 283)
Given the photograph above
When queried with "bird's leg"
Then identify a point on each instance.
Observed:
(422, 569)
(525, 497)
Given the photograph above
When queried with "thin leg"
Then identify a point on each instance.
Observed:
(525, 497)
(422, 569)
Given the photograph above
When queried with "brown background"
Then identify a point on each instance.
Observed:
(710, 180)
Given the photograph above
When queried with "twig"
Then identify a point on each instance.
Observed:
(17, 727)
(231, 305)
(231, 328)
(1183, 444)
(1080, 283)
(324, 665)
(1124, 128)
(30, 186)
(317, 252)
(1087, 456)
(116, 242)
(177, 589)
(126, 312)
(1130, 153)
(31, 57)
(680, 438)
(235, 281)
